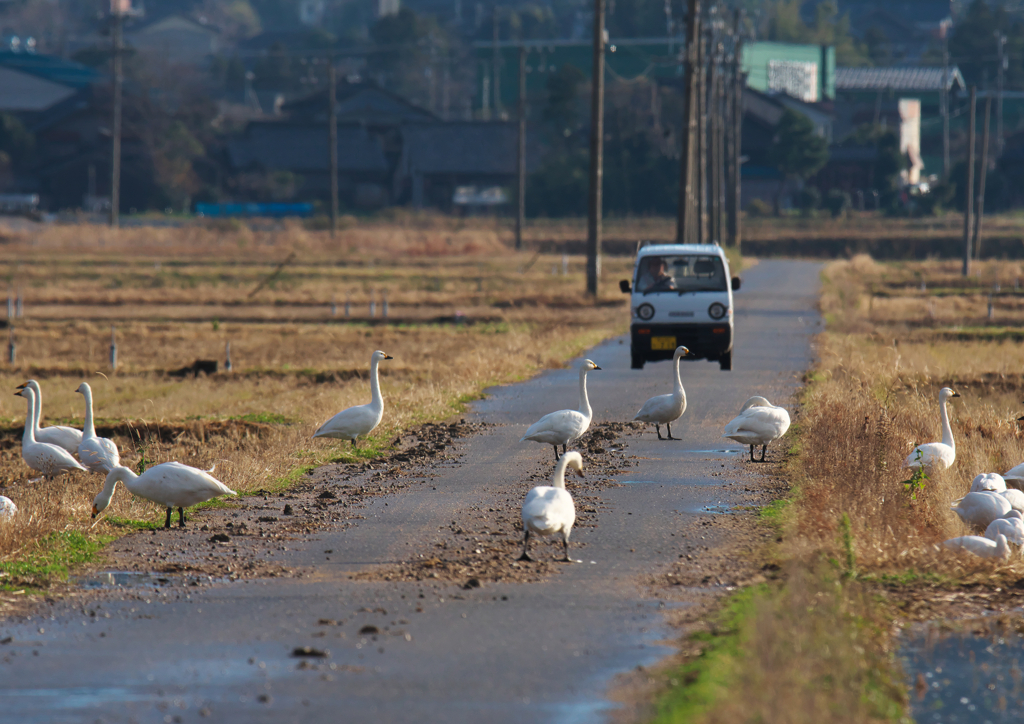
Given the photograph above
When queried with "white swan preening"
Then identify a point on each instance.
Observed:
(99, 454)
(66, 437)
(7, 508)
(759, 423)
(50, 460)
(564, 426)
(980, 546)
(360, 420)
(171, 485)
(549, 510)
(666, 409)
(988, 481)
(936, 455)
(1011, 526)
(978, 510)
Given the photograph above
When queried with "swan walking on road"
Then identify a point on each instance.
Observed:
(172, 485)
(666, 409)
(549, 510)
(50, 460)
(564, 426)
(66, 437)
(980, 546)
(759, 423)
(99, 454)
(7, 508)
(936, 455)
(360, 420)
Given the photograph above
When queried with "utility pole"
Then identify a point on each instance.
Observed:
(596, 154)
(702, 142)
(969, 202)
(332, 138)
(496, 70)
(1000, 76)
(688, 128)
(736, 131)
(982, 174)
(521, 150)
(944, 103)
(714, 137)
(117, 11)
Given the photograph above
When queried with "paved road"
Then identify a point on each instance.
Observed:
(542, 652)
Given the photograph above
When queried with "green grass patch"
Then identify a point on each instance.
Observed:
(133, 524)
(51, 559)
(776, 512)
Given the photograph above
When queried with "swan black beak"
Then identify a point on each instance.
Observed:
(579, 474)
(94, 511)
(596, 367)
(22, 386)
(387, 356)
(956, 394)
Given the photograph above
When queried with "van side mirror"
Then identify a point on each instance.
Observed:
(624, 286)
(735, 283)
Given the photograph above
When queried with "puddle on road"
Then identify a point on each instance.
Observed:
(971, 676)
(721, 451)
(138, 579)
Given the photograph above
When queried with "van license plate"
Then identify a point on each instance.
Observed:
(668, 343)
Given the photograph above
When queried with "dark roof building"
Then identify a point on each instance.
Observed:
(899, 79)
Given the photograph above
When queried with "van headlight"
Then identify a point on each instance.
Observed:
(717, 310)
(645, 311)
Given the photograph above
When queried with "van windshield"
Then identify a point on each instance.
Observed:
(683, 273)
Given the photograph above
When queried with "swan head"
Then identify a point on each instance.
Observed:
(575, 461)
(83, 388)
(379, 356)
(588, 365)
(946, 392)
(756, 401)
(681, 351)
(30, 383)
(25, 392)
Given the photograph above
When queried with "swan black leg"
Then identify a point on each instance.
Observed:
(353, 443)
(526, 547)
(181, 517)
(668, 426)
(565, 546)
(764, 449)
(563, 449)
(752, 454)
(657, 429)
(556, 452)
(167, 523)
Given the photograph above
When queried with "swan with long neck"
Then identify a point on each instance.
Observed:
(99, 454)
(358, 421)
(759, 423)
(564, 426)
(549, 510)
(66, 437)
(50, 460)
(936, 455)
(666, 409)
(171, 485)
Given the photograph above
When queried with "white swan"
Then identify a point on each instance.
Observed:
(1015, 476)
(99, 454)
(564, 426)
(43, 457)
(666, 409)
(979, 509)
(360, 420)
(172, 485)
(66, 437)
(7, 508)
(548, 509)
(1015, 497)
(759, 423)
(980, 546)
(1011, 526)
(936, 455)
(988, 481)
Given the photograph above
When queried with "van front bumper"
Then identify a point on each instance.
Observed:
(659, 341)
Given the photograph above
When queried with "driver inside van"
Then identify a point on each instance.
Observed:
(654, 276)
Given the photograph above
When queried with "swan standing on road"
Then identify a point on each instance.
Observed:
(99, 454)
(979, 509)
(759, 423)
(564, 426)
(666, 409)
(7, 508)
(548, 509)
(172, 485)
(360, 420)
(936, 455)
(50, 460)
(66, 437)
(980, 546)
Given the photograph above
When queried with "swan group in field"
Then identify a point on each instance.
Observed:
(936, 455)
(43, 457)
(564, 426)
(666, 409)
(358, 421)
(759, 423)
(99, 454)
(548, 509)
(171, 485)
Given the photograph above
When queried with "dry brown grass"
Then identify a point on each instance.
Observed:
(291, 370)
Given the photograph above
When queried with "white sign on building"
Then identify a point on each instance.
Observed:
(794, 78)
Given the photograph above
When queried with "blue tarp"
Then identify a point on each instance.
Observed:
(273, 209)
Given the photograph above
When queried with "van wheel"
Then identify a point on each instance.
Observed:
(725, 361)
(637, 362)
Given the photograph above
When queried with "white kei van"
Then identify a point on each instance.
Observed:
(681, 295)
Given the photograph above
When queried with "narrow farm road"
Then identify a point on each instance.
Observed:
(504, 652)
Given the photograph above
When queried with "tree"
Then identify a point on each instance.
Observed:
(784, 23)
(888, 164)
(973, 44)
(878, 46)
(797, 150)
(562, 109)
